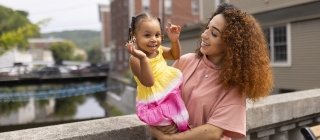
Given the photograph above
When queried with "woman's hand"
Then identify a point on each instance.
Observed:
(131, 47)
(170, 129)
(173, 32)
(157, 133)
(202, 132)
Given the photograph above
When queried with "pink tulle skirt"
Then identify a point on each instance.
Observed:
(169, 110)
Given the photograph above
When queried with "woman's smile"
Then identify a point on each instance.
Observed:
(204, 44)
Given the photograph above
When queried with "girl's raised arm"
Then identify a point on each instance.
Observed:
(173, 32)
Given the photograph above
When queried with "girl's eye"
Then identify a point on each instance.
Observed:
(147, 35)
(158, 35)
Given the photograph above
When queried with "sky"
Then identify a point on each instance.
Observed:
(61, 15)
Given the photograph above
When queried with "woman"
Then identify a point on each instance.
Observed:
(231, 65)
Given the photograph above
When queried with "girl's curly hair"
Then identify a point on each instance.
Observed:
(246, 63)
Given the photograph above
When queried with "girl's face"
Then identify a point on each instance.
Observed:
(148, 36)
(211, 43)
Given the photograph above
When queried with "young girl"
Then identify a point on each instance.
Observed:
(158, 101)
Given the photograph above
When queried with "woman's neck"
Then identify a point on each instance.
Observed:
(216, 60)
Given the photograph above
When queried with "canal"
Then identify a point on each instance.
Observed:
(30, 106)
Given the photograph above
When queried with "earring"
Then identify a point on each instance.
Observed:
(134, 39)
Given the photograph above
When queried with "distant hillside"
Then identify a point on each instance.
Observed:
(84, 39)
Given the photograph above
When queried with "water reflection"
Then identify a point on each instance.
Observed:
(35, 110)
(86, 110)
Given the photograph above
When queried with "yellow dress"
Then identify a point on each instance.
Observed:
(161, 104)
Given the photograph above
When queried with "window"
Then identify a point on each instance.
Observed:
(195, 7)
(168, 7)
(278, 38)
(146, 5)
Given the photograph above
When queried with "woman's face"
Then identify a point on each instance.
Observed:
(211, 43)
(148, 36)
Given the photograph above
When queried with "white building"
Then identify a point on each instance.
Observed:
(14, 57)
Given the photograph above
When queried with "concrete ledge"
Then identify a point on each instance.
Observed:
(283, 107)
(114, 128)
(265, 117)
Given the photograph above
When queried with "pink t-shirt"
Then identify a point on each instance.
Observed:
(207, 101)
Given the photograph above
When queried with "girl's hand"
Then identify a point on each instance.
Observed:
(173, 32)
(134, 51)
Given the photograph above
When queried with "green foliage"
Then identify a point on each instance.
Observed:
(62, 50)
(15, 29)
(95, 55)
(18, 37)
(84, 39)
(11, 20)
(79, 57)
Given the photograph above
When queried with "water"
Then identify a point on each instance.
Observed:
(57, 104)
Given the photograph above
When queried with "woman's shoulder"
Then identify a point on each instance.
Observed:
(185, 60)
(188, 57)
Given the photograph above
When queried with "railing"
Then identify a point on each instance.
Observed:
(277, 117)
(54, 93)
(53, 76)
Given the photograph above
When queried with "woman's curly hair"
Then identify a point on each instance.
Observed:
(246, 63)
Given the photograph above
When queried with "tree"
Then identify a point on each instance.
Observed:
(62, 51)
(95, 55)
(15, 29)
(18, 37)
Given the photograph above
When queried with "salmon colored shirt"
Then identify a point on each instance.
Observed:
(207, 101)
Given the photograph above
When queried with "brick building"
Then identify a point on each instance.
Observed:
(181, 12)
(104, 17)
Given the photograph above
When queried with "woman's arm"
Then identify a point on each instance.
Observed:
(203, 132)
(173, 32)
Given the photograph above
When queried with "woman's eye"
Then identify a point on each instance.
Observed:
(214, 34)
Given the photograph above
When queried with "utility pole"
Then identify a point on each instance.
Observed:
(162, 13)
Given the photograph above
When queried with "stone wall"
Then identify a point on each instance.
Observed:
(114, 128)
(277, 117)
(280, 117)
